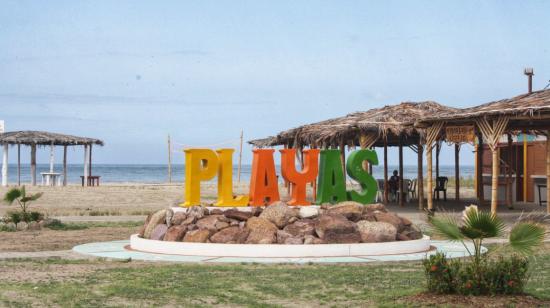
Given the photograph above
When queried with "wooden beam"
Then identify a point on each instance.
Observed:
(401, 182)
(457, 172)
(65, 165)
(494, 182)
(85, 165)
(90, 162)
(437, 151)
(386, 188)
(33, 164)
(509, 173)
(5, 165)
(343, 158)
(18, 164)
(548, 173)
(480, 192)
(432, 133)
(525, 170)
(420, 177)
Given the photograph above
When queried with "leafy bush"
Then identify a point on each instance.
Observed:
(20, 196)
(60, 226)
(17, 217)
(501, 276)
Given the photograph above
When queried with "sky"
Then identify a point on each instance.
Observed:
(132, 72)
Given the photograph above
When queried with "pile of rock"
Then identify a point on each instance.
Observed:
(346, 222)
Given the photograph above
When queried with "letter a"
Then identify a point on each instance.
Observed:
(331, 183)
(355, 170)
(299, 179)
(264, 188)
(200, 165)
(225, 181)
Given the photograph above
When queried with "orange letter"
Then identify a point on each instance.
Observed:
(299, 179)
(264, 188)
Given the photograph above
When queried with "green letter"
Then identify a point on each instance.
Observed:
(331, 184)
(355, 170)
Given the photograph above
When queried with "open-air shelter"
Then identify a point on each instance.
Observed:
(524, 114)
(35, 139)
(380, 127)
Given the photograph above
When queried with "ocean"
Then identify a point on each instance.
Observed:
(114, 173)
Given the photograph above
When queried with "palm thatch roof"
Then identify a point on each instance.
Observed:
(391, 121)
(45, 138)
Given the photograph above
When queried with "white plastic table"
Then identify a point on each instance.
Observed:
(51, 178)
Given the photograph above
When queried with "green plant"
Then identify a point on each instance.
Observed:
(19, 195)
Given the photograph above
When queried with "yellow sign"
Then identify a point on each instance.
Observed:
(460, 134)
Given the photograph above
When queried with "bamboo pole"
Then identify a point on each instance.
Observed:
(86, 153)
(240, 158)
(343, 158)
(525, 173)
(494, 182)
(402, 194)
(64, 165)
(386, 191)
(480, 186)
(18, 164)
(476, 149)
(169, 160)
(33, 164)
(430, 179)
(90, 162)
(509, 173)
(420, 177)
(548, 171)
(437, 151)
(457, 172)
(5, 166)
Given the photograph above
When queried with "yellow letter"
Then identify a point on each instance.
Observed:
(200, 165)
(225, 181)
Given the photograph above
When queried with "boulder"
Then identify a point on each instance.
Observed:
(349, 209)
(284, 237)
(375, 207)
(412, 232)
(141, 232)
(156, 219)
(189, 221)
(169, 215)
(10, 226)
(262, 231)
(278, 213)
(221, 225)
(312, 239)
(375, 232)
(335, 228)
(22, 226)
(197, 211)
(294, 241)
(234, 222)
(308, 212)
(34, 226)
(238, 215)
(301, 227)
(209, 222)
(197, 236)
(230, 235)
(175, 233)
(159, 232)
(256, 211)
(178, 218)
(216, 212)
(390, 218)
(405, 221)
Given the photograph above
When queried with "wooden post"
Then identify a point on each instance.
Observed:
(90, 162)
(548, 171)
(33, 164)
(5, 166)
(386, 188)
(432, 133)
(437, 150)
(240, 158)
(85, 165)
(65, 165)
(457, 172)
(525, 173)
(509, 173)
(18, 164)
(480, 188)
(420, 176)
(52, 159)
(494, 181)
(402, 194)
(476, 149)
(169, 160)
(343, 158)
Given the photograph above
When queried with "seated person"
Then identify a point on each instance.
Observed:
(393, 183)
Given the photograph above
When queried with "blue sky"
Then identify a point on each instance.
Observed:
(131, 72)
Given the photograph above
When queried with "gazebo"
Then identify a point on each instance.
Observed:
(526, 113)
(380, 127)
(39, 138)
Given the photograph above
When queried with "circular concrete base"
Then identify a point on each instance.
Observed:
(122, 250)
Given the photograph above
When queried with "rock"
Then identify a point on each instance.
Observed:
(141, 230)
(256, 211)
(196, 211)
(231, 235)
(284, 237)
(189, 221)
(191, 227)
(262, 231)
(22, 226)
(175, 233)
(369, 216)
(375, 207)
(221, 225)
(349, 209)
(301, 228)
(412, 232)
(169, 215)
(209, 222)
(159, 232)
(311, 239)
(389, 218)
(292, 220)
(405, 221)
(178, 218)
(238, 215)
(34, 226)
(197, 236)
(294, 241)
(46, 222)
(216, 212)
(308, 212)
(333, 223)
(375, 232)
(156, 219)
(10, 226)
(278, 213)
(402, 237)
(234, 222)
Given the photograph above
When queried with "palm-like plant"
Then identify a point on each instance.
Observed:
(20, 195)
(476, 226)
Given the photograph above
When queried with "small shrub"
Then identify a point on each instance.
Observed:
(36, 216)
(441, 273)
(15, 217)
(60, 226)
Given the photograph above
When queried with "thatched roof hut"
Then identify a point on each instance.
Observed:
(45, 138)
(390, 122)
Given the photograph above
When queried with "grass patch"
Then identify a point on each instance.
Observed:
(62, 226)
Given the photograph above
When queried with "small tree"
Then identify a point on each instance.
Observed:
(19, 195)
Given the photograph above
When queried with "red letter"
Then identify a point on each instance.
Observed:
(264, 188)
(299, 179)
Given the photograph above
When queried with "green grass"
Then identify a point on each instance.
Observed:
(61, 226)
(147, 284)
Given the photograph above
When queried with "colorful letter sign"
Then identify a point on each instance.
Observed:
(325, 165)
